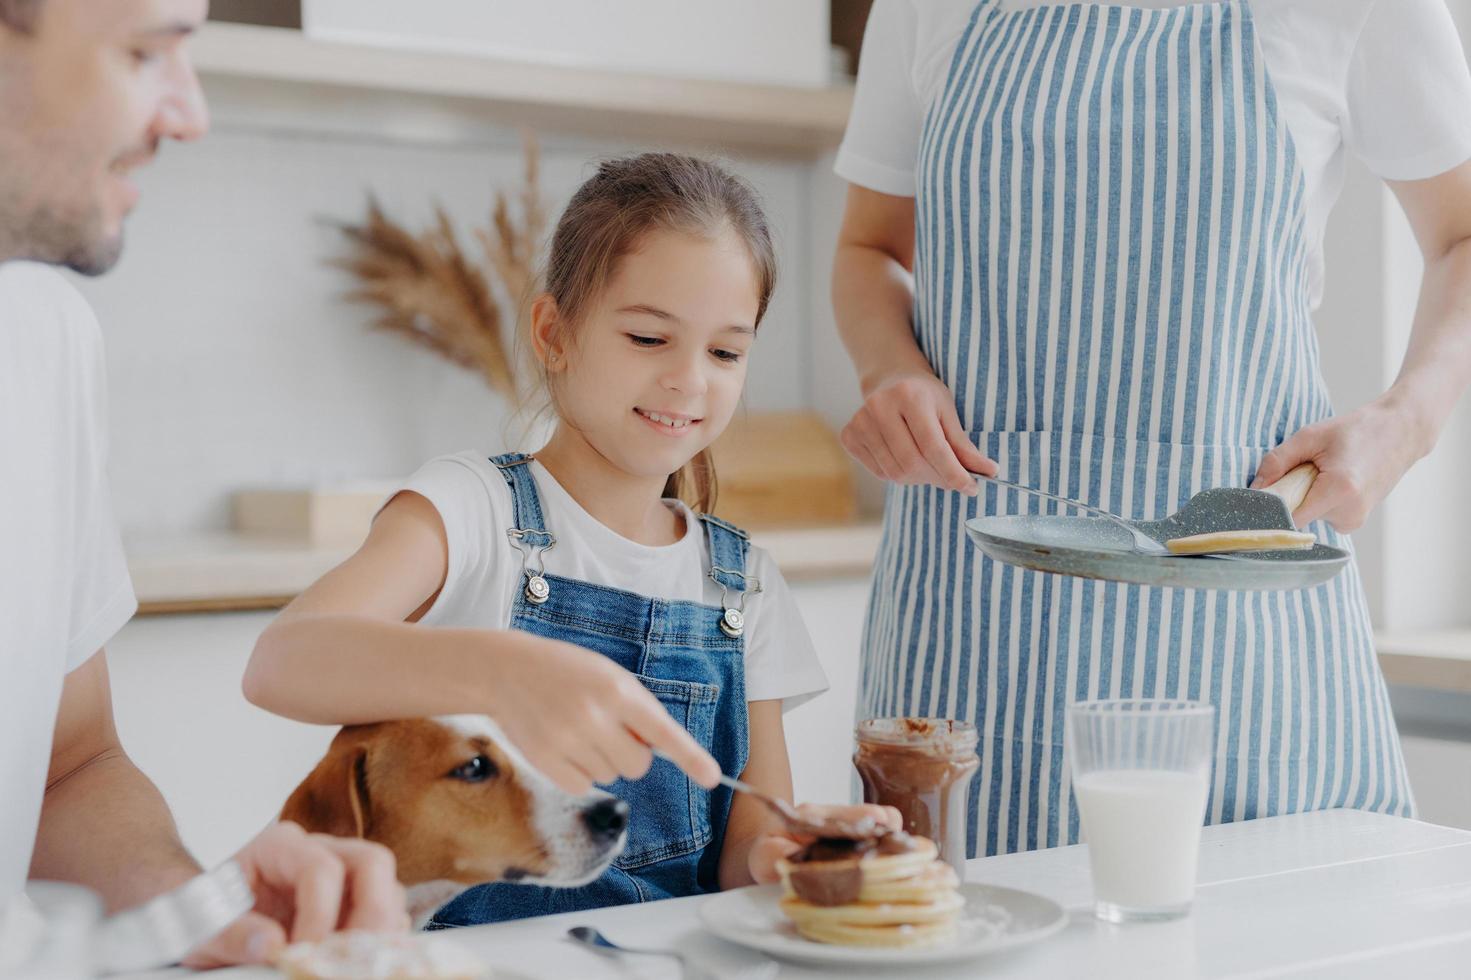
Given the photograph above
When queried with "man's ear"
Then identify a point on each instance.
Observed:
(333, 798)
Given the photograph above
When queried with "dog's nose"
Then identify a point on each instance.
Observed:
(606, 819)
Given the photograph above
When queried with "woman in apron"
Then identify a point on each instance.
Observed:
(1113, 215)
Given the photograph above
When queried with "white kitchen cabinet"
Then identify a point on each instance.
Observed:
(820, 732)
(224, 765)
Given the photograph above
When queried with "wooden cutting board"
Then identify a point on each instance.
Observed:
(780, 469)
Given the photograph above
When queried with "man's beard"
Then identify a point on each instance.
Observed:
(75, 241)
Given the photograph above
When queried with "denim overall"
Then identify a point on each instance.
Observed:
(691, 657)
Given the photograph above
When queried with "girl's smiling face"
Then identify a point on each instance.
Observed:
(653, 373)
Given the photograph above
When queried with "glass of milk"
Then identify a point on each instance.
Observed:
(1141, 774)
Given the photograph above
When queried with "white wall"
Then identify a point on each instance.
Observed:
(233, 362)
(1415, 550)
(1427, 525)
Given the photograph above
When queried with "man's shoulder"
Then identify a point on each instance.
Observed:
(43, 312)
(36, 279)
(31, 290)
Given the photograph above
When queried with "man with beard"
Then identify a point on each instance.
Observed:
(88, 91)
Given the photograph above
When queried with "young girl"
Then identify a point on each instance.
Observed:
(485, 583)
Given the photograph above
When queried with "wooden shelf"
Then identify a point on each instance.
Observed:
(243, 64)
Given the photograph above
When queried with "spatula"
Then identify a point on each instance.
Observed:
(1213, 522)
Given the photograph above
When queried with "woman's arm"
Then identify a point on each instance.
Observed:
(908, 430)
(1363, 454)
(343, 653)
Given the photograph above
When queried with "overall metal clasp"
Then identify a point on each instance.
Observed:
(537, 590)
(733, 618)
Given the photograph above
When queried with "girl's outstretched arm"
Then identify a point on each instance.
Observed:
(348, 651)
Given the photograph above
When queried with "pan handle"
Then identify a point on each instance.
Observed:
(1293, 488)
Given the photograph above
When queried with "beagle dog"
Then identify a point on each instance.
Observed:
(458, 805)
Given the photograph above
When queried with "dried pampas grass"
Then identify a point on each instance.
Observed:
(429, 292)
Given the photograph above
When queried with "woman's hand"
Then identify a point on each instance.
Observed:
(581, 719)
(771, 848)
(1360, 457)
(909, 432)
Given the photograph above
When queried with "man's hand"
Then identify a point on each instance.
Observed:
(307, 886)
(909, 432)
(770, 849)
(1360, 457)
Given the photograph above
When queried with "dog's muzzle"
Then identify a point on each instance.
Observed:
(606, 820)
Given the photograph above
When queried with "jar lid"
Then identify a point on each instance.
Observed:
(946, 733)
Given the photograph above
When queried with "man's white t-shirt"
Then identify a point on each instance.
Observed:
(485, 572)
(64, 587)
(1383, 79)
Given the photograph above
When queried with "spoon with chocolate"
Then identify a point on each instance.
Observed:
(831, 828)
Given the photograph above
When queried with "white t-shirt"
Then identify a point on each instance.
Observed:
(1385, 79)
(64, 587)
(485, 574)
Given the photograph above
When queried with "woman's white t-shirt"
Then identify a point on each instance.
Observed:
(1383, 79)
(485, 572)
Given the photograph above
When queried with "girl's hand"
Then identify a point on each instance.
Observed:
(581, 719)
(771, 848)
(1360, 457)
(909, 432)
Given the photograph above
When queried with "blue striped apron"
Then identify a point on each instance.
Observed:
(1110, 276)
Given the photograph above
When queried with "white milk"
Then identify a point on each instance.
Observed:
(1143, 832)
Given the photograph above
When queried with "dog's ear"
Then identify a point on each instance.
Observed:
(333, 798)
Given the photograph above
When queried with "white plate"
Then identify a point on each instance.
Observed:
(993, 919)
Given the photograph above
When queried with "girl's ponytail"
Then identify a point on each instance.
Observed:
(695, 483)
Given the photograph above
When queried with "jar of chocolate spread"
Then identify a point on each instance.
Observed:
(923, 768)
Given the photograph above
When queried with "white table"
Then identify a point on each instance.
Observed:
(1339, 894)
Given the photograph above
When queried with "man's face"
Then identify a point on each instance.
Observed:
(86, 97)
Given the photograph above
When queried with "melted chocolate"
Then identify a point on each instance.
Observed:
(829, 871)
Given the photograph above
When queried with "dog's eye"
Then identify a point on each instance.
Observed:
(477, 770)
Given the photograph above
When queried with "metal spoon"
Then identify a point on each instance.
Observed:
(794, 820)
(598, 943)
(1207, 512)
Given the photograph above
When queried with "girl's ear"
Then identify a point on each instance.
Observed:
(546, 333)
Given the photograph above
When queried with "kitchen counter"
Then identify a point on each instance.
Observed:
(1435, 659)
(1339, 894)
(218, 572)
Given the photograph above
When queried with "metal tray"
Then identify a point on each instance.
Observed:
(1090, 547)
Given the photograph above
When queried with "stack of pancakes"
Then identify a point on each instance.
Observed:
(885, 890)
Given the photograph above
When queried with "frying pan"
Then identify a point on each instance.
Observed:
(1109, 549)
